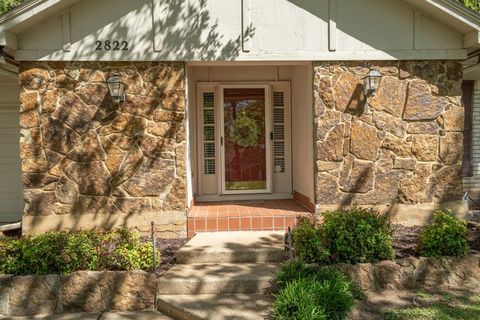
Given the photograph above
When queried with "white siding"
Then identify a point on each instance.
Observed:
(11, 202)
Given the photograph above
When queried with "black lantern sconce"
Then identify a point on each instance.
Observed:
(116, 88)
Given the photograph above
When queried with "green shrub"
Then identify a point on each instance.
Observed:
(445, 236)
(313, 293)
(62, 253)
(357, 236)
(308, 242)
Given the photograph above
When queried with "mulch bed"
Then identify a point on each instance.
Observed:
(405, 239)
(168, 249)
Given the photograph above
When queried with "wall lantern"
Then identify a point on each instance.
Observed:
(371, 83)
(116, 88)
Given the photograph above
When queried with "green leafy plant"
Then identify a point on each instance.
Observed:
(313, 292)
(471, 4)
(308, 242)
(62, 253)
(444, 236)
(6, 5)
(357, 236)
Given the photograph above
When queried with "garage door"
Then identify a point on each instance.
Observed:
(11, 203)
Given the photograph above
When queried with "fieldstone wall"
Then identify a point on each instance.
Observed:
(84, 154)
(82, 291)
(402, 146)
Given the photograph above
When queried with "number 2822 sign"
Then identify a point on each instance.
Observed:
(108, 45)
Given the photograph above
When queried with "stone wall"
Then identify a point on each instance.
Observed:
(399, 149)
(83, 291)
(85, 157)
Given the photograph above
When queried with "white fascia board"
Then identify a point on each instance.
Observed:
(27, 11)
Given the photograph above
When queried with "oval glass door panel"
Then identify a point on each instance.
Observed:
(245, 142)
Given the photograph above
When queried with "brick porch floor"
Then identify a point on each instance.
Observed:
(258, 215)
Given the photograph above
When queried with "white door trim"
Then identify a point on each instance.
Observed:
(268, 142)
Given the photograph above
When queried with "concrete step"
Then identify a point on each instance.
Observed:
(221, 278)
(240, 246)
(216, 307)
(128, 315)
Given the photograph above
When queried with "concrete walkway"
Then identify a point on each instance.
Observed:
(134, 315)
(222, 275)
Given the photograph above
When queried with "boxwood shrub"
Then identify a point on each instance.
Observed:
(353, 236)
(444, 236)
(62, 252)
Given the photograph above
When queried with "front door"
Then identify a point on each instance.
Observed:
(243, 144)
(245, 141)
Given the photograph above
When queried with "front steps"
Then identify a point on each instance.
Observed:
(222, 275)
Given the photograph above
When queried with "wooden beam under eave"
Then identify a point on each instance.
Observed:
(9, 41)
(332, 25)
(471, 39)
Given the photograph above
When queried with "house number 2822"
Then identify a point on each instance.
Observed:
(111, 45)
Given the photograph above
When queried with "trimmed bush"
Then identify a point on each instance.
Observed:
(313, 292)
(63, 253)
(357, 236)
(444, 236)
(308, 242)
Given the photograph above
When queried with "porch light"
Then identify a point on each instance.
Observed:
(116, 88)
(371, 83)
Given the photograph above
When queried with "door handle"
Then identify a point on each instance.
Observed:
(271, 135)
(221, 141)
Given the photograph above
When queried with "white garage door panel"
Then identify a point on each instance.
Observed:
(11, 202)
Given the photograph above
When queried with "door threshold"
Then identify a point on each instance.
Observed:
(244, 197)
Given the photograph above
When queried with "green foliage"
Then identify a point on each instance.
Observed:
(62, 253)
(6, 5)
(471, 4)
(308, 242)
(353, 236)
(313, 292)
(357, 236)
(445, 236)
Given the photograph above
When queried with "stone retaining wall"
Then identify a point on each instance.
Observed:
(416, 273)
(83, 154)
(89, 291)
(399, 149)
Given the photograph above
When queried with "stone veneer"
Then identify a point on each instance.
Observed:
(90, 162)
(400, 148)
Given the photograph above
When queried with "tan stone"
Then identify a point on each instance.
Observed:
(38, 180)
(404, 163)
(126, 124)
(131, 162)
(57, 136)
(103, 291)
(448, 183)
(29, 119)
(326, 122)
(68, 191)
(167, 116)
(421, 104)
(35, 165)
(360, 177)
(325, 88)
(153, 147)
(385, 190)
(425, 147)
(93, 93)
(49, 100)
(33, 78)
(453, 119)
(348, 92)
(162, 129)
(451, 148)
(65, 81)
(143, 106)
(398, 146)
(133, 205)
(151, 178)
(327, 188)
(327, 166)
(75, 113)
(429, 127)
(173, 100)
(364, 142)
(390, 96)
(33, 295)
(28, 101)
(91, 177)
(418, 188)
(88, 149)
(389, 123)
(176, 198)
(38, 202)
(331, 149)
